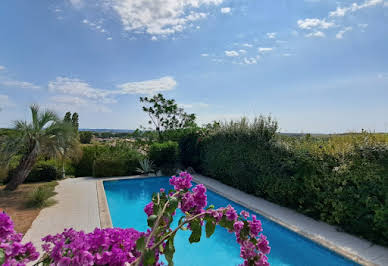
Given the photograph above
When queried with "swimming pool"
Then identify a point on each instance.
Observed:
(126, 201)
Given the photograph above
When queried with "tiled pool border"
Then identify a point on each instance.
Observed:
(106, 221)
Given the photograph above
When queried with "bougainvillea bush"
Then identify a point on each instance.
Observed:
(115, 246)
(12, 251)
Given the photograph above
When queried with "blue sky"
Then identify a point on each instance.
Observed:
(314, 65)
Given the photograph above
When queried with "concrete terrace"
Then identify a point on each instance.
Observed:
(79, 206)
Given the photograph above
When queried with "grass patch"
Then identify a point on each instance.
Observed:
(41, 196)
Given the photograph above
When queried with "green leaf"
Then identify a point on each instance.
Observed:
(173, 204)
(210, 228)
(140, 243)
(2, 256)
(170, 250)
(151, 220)
(210, 207)
(196, 231)
(149, 257)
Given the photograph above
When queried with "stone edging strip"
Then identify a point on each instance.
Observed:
(105, 219)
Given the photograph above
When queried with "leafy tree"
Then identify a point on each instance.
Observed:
(67, 117)
(75, 122)
(85, 137)
(165, 114)
(45, 134)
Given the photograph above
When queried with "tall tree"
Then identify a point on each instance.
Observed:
(41, 136)
(165, 114)
(67, 117)
(75, 122)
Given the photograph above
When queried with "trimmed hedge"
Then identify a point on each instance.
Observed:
(164, 155)
(342, 181)
(106, 160)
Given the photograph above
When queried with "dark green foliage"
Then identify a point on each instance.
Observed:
(189, 141)
(43, 171)
(343, 182)
(164, 155)
(67, 117)
(85, 137)
(75, 122)
(104, 167)
(105, 160)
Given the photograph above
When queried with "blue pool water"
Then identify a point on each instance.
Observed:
(127, 198)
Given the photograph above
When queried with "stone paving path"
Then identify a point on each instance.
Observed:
(76, 207)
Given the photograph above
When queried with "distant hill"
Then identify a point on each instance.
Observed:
(102, 130)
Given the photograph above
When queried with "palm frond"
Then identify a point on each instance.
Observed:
(46, 117)
(35, 115)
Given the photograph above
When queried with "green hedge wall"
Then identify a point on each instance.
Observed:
(106, 160)
(347, 188)
(165, 154)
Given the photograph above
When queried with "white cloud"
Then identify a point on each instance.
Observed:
(342, 11)
(319, 34)
(194, 105)
(64, 103)
(147, 87)
(154, 38)
(77, 3)
(271, 35)
(385, 4)
(265, 49)
(341, 33)
(231, 53)
(205, 55)
(18, 84)
(77, 87)
(250, 60)
(363, 27)
(109, 38)
(242, 51)
(225, 10)
(310, 23)
(159, 17)
(247, 45)
(2, 68)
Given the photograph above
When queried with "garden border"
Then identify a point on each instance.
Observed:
(105, 219)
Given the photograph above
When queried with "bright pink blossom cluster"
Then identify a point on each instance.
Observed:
(253, 245)
(111, 246)
(15, 253)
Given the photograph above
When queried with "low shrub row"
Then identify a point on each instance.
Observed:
(107, 160)
(340, 180)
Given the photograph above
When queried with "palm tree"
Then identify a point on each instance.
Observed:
(46, 134)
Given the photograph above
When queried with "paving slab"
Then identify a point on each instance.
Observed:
(76, 207)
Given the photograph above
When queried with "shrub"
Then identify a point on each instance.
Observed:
(342, 180)
(165, 154)
(40, 196)
(117, 160)
(109, 167)
(146, 166)
(43, 171)
(85, 137)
